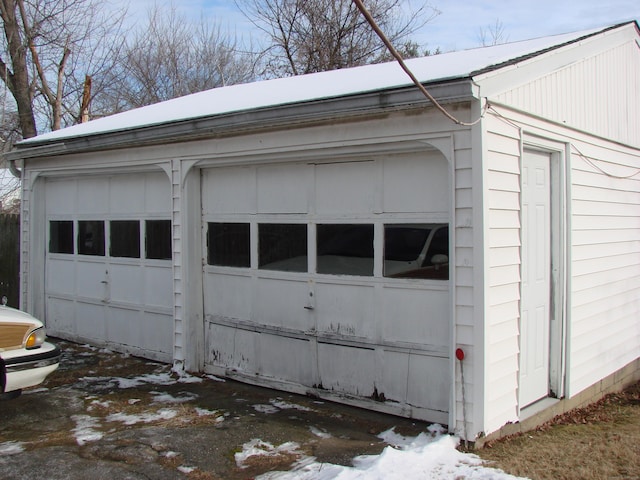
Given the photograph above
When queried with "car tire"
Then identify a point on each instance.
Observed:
(10, 395)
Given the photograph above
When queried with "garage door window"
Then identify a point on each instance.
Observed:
(61, 236)
(345, 249)
(158, 239)
(282, 247)
(228, 244)
(91, 237)
(124, 238)
(416, 251)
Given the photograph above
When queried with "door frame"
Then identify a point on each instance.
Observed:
(558, 153)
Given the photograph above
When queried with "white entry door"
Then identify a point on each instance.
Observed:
(536, 278)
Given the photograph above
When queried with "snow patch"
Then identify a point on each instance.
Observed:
(257, 447)
(124, 383)
(277, 404)
(127, 419)
(85, 430)
(29, 391)
(429, 456)
(11, 448)
(98, 403)
(187, 378)
(163, 397)
(263, 408)
(203, 412)
(185, 469)
(281, 404)
(151, 378)
(319, 433)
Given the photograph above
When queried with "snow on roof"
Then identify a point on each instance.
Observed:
(316, 86)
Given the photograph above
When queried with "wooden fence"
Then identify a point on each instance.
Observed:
(10, 258)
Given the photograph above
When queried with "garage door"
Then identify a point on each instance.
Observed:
(331, 277)
(108, 277)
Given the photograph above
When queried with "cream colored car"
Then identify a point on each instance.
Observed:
(25, 357)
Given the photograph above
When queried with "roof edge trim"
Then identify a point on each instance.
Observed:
(516, 60)
(247, 121)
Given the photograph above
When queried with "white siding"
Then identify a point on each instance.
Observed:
(596, 94)
(502, 227)
(468, 326)
(605, 246)
(602, 253)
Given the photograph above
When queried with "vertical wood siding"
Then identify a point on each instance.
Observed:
(599, 95)
(179, 356)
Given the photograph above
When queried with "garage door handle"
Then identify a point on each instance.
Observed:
(308, 307)
(104, 281)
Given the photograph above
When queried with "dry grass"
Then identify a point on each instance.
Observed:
(601, 441)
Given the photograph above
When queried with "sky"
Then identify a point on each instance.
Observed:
(459, 23)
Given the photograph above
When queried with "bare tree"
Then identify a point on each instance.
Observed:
(47, 49)
(307, 36)
(9, 182)
(171, 56)
(493, 34)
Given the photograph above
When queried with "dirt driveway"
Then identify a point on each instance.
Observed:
(105, 415)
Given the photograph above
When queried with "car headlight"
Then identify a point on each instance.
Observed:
(35, 339)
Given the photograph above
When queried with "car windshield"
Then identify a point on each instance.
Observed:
(404, 243)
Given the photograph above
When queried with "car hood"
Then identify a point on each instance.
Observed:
(8, 314)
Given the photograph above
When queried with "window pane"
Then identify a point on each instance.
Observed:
(124, 238)
(282, 247)
(345, 249)
(61, 236)
(158, 239)
(91, 237)
(228, 244)
(416, 251)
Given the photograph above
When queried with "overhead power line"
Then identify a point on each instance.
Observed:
(404, 66)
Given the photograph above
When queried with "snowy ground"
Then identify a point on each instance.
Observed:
(430, 455)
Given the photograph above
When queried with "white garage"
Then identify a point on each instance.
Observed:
(336, 235)
(108, 274)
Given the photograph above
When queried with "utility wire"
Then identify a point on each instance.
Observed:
(603, 172)
(586, 159)
(404, 66)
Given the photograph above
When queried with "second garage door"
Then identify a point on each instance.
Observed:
(332, 277)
